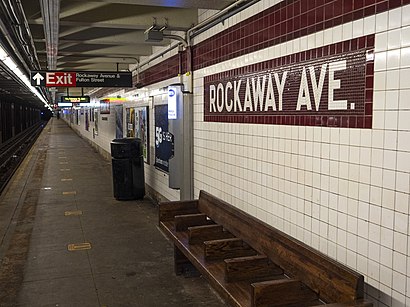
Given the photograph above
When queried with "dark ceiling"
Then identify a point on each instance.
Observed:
(97, 35)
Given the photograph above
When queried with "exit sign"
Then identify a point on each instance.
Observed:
(81, 79)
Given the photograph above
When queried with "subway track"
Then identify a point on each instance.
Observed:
(13, 151)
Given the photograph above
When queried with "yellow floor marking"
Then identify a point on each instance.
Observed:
(71, 213)
(70, 193)
(66, 179)
(64, 169)
(79, 246)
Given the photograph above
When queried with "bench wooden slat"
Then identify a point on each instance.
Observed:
(199, 234)
(236, 294)
(227, 248)
(251, 267)
(227, 263)
(334, 281)
(168, 210)
(281, 293)
(182, 222)
(357, 303)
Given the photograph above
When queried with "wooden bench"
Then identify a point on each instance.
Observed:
(250, 263)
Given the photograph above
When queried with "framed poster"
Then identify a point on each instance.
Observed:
(130, 122)
(142, 130)
(105, 106)
(119, 133)
(96, 121)
(77, 117)
(163, 139)
(87, 121)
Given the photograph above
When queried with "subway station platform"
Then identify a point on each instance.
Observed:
(65, 240)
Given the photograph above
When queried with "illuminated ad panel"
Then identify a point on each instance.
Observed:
(330, 86)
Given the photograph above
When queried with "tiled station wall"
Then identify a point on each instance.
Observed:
(156, 179)
(342, 190)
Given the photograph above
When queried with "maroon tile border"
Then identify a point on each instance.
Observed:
(357, 88)
(280, 23)
(283, 22)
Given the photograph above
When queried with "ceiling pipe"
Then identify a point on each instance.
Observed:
(16, 33)
(12, 29)
(158, 55)
(208, 23)
(227, 12)
(12, 45)
(50, 11)
(178, 38)
(35, 62)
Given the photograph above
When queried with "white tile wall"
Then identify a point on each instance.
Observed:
(342, 191)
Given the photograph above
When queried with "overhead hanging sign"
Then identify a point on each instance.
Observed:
(81, 79)
(76, 99)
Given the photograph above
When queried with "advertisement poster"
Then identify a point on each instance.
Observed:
(96, 121)
(163, 139)
(142, 129)
(119, 133)
(130, 122)
(77, 117)
(87, 121)
(105, 106)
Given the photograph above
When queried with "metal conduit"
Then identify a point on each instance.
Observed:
(203, 26)
(50, 10)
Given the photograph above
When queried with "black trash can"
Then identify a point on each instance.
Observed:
(127, 169)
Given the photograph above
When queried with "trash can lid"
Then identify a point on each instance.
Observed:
(127, 140)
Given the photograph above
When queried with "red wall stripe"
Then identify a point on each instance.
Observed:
(278, 24)
(357, 89)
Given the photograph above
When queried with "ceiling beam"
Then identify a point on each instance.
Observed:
(95, 55)
(87, 25)
(104, 42)
(201, 4)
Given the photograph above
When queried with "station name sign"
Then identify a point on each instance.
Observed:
(80, 79)
(319, 87)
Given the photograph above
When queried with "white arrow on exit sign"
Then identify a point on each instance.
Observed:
(38, 78)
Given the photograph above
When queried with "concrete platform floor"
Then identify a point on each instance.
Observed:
(130, 262)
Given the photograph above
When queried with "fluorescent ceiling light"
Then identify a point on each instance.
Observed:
(3, 54)
(8, 61)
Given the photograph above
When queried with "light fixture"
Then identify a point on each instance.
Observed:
(3, 54)
(12, 66)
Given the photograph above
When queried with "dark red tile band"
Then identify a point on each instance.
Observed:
(283, 22)
(356, 78)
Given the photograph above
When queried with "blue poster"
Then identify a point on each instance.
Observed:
(163, 139)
